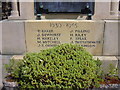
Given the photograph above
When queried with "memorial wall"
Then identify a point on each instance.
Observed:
(49, 33)
(21, 33)
(29, 35)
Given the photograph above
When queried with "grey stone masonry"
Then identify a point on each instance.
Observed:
(0, 36)
(111, 39)
(13, 39)
(0, 72)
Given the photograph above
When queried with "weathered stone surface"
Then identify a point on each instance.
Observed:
(1, 72)
(44, 34)
(0, 36)
(102, 10)
(27, 10)
(106, 10)
(111, 37)
(119, 38)
(13, 39)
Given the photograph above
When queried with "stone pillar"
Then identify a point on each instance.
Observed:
(27, 10)
(14, 12)
(0, 37)
(106, 10)
(102, 10)
(114, 7)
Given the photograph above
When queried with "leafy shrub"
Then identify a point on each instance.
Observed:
(12, 69)
(64, 66)
(113, 71)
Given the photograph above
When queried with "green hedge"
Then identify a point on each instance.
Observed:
(62, 67)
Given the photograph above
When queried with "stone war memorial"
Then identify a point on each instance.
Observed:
(38, 25)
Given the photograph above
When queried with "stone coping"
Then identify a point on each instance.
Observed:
(68, 20)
